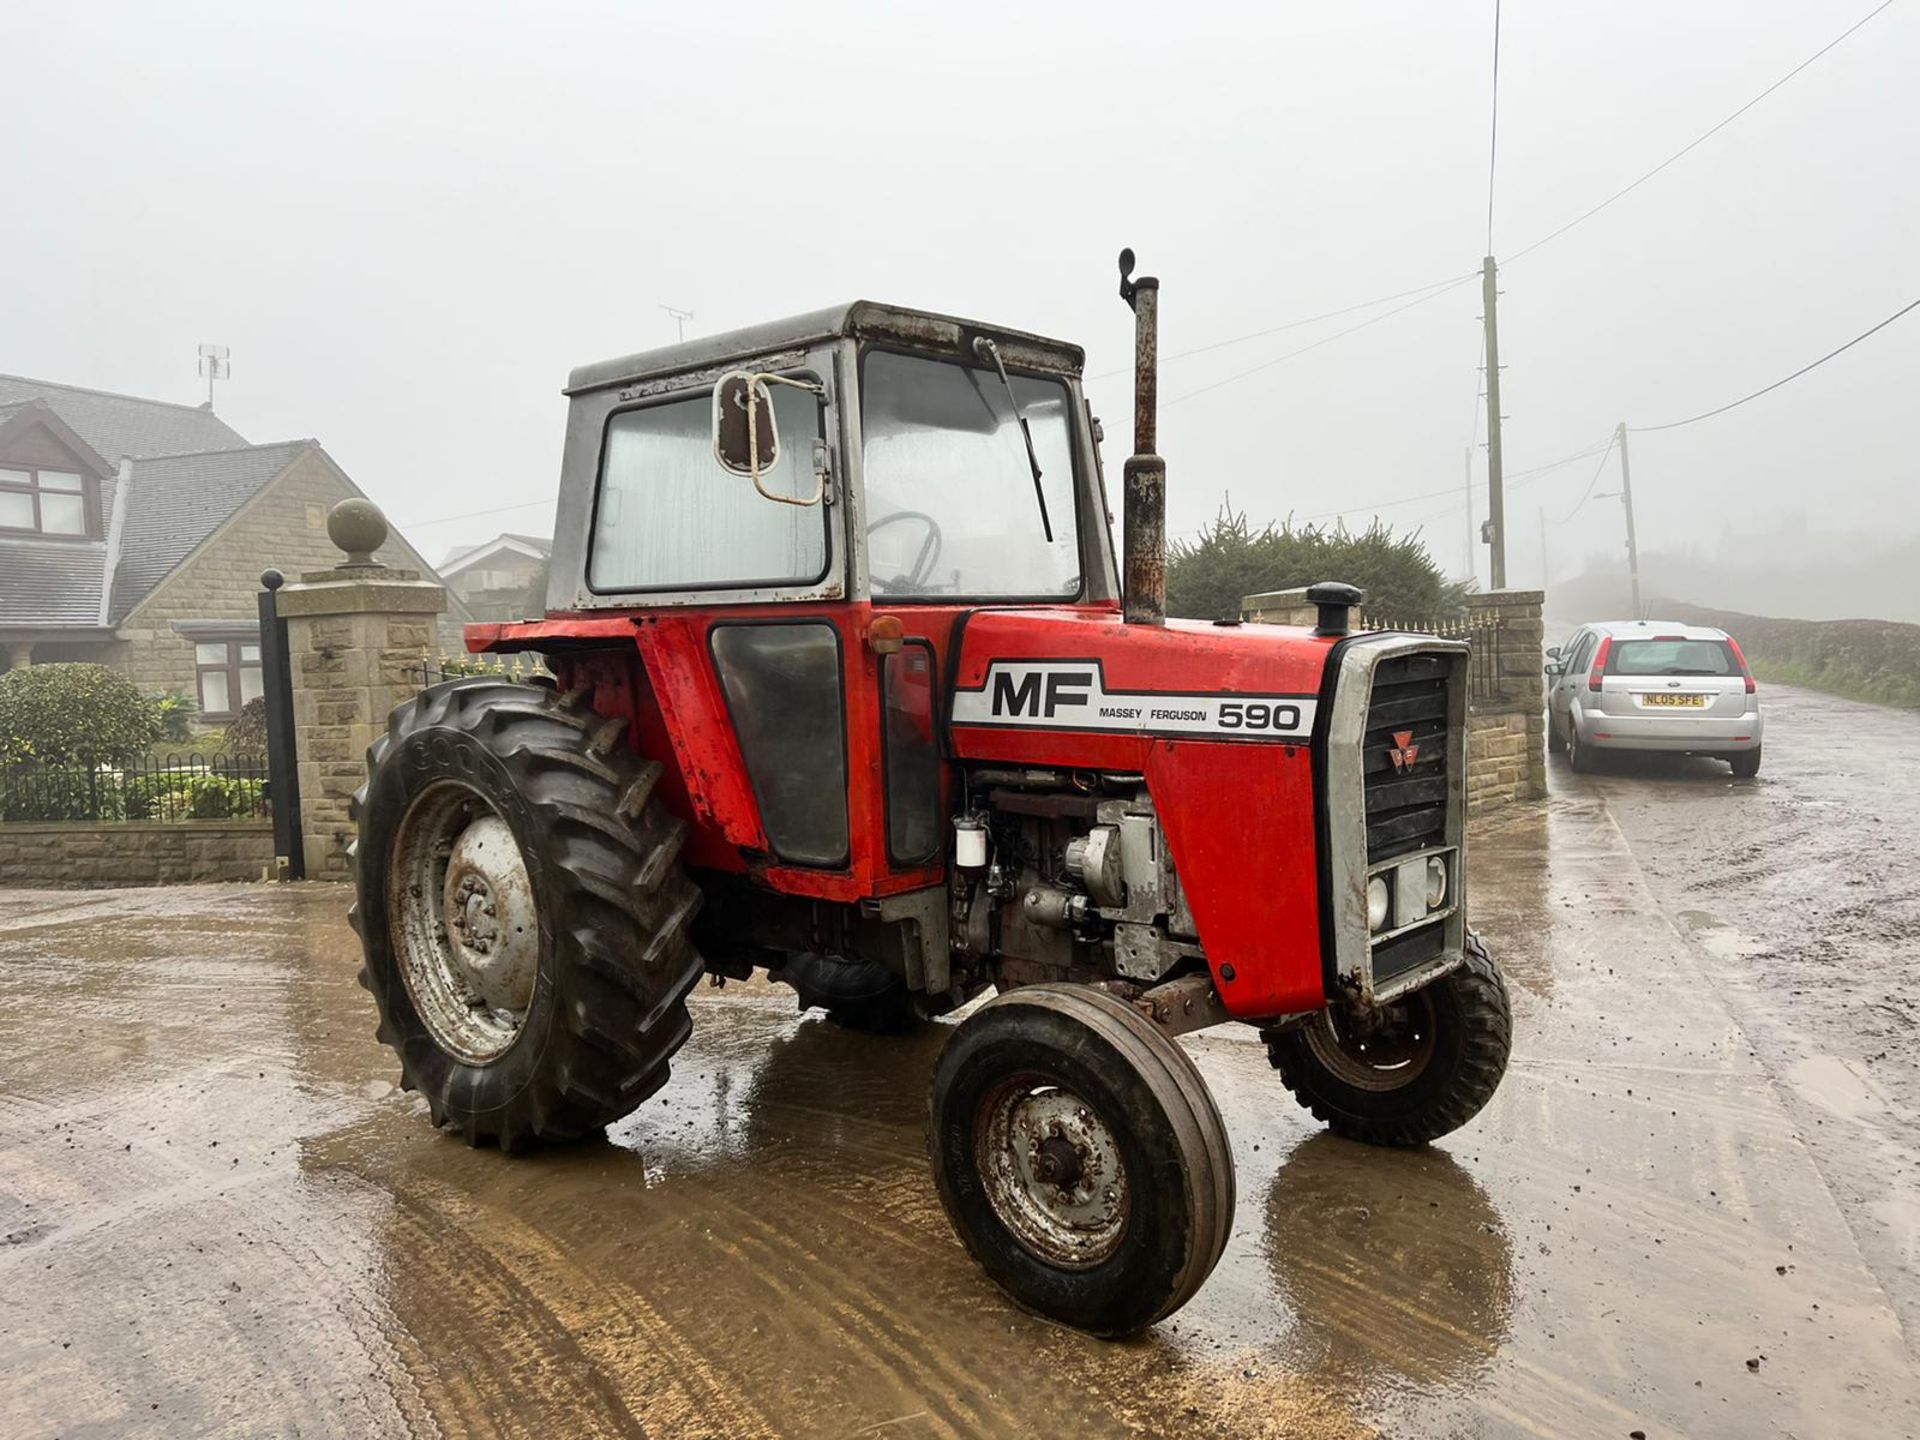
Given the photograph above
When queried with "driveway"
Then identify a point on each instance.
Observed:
(221, 1218)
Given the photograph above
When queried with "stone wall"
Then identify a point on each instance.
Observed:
(356, 640)
(1507, 728)
(81, 854)
(1507, 731)
(283, 528)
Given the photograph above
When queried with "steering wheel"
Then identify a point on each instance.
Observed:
(915, 580)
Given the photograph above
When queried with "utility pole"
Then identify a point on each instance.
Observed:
(1496, 489)
(1472, 566)
(1626, 500)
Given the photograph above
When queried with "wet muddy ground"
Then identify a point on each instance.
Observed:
(218, 1217)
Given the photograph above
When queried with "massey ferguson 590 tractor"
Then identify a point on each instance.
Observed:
(850, 688)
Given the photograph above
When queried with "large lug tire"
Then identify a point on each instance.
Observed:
(1080, 1158)
(856, 994)
(522, 911)
(1746, 764)
(1433, 1063)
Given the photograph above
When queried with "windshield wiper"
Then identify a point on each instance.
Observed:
(987, 350)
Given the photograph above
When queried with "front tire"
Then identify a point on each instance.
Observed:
(522, 912)
(1433, 1061)
(1081, 1158)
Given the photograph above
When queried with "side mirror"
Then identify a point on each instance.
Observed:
(1553, 652)
(746, 438)
(1554, 667)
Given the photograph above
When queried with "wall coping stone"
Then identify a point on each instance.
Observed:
(136, 827)
(389, 593)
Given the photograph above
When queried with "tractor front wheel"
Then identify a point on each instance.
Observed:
(1424, 1067)
(1080, 1157)
(522, 912)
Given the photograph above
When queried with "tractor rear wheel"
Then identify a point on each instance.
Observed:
(1081, 1158)
(1425, 1068)
(522, 911)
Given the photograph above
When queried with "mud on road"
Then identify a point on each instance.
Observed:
(220, 1218)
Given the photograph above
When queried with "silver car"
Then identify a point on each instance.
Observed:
(1653, 685)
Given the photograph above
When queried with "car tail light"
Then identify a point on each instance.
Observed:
(1598, 669)
(1738, 654)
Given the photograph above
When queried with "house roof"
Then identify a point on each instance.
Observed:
(51, 583)
(175, 502)
(465, 557)
(117, 425)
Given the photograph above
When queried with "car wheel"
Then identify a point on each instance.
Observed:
(1746, 764)
(1579, 757)
(1556, 732)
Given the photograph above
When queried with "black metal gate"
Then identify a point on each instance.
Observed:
(283, 767)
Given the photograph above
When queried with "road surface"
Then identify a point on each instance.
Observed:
(1681, 1215)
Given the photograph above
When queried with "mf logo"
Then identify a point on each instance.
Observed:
(1404, 751)
(1041, 694)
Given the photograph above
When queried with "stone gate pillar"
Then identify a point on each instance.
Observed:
(357, 637)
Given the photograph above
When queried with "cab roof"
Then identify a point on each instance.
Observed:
(1654, 630)
(859, 319)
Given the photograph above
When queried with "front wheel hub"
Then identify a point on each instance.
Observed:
(1053, 1171)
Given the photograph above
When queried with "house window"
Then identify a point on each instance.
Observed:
(44, 502)
(228, 672)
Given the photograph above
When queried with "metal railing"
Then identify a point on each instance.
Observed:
(194, 786)
(1482, 634)
(516, 666)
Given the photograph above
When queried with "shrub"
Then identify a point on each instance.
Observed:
(176, 717)
(33, 792)
(1208, 577)
(192, 795)
(73, 714)
(247, 735)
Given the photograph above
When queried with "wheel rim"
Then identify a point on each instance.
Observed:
(1053, 1172)
(1391, 1053)
(464, 925)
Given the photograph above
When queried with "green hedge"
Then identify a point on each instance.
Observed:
(1875, 660)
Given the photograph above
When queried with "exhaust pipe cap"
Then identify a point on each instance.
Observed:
(1334, 599)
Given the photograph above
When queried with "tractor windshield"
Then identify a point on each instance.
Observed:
(949, 488)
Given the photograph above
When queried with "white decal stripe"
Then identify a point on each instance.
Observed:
(1072, 695)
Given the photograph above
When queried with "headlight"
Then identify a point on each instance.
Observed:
(1376, 903)
(1436, 882)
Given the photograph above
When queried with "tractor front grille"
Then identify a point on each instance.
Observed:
(1404, 756)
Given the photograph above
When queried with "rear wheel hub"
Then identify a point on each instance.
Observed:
(464, 923)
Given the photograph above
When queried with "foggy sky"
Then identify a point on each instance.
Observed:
(409, 221)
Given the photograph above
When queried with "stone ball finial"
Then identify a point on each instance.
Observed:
(356, 526)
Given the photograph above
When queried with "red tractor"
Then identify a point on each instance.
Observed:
(849, 689)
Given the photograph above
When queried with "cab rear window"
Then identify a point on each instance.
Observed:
(1671, 657)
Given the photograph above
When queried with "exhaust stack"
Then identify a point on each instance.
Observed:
(1144, 522)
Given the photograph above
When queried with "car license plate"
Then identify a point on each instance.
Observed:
(1677, 702)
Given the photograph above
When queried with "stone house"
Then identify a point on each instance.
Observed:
(493, 580)
(133, 533)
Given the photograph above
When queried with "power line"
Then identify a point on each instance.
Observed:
(1294, 324)
(1734, 404)
(473, 514)
(1587, 493)
(1451, 285)
(1493, 137)
(1689, 146)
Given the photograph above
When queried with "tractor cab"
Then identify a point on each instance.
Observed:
(888, 456)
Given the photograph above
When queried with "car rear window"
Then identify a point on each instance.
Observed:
(1672, 657)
